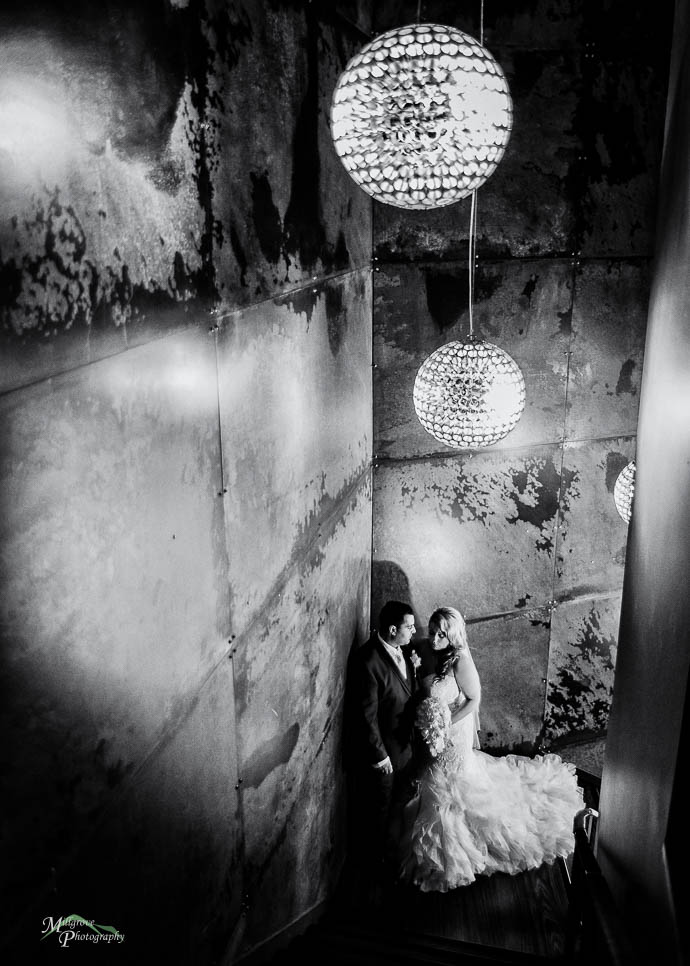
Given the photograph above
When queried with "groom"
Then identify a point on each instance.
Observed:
(383, 682)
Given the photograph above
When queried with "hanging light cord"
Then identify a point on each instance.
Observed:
(419, 10)
(471, 248)
(472, 242)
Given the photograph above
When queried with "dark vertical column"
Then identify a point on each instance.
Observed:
(642, 755)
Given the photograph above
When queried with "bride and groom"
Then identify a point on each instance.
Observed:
(441, 810)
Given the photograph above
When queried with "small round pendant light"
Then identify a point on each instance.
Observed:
(469, 393)
(624, 491)
(421, 116)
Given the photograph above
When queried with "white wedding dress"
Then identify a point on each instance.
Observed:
(476, 814)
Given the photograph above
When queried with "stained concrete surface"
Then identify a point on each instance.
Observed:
(564, 249)
(186, 445)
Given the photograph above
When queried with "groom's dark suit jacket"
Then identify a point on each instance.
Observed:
(381, 712)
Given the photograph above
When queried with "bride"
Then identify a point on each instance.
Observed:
(476, 814)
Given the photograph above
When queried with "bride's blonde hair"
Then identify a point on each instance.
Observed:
(452, 622)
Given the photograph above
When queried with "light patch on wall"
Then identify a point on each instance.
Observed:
(102, 210)
(52, 104)
(274, 379)
(36, 126)
(181, 375)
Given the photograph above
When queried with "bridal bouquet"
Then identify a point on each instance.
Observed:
(433, 721)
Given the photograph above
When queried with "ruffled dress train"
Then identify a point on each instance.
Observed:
(476, 814)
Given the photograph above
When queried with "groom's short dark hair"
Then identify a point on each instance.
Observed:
(393, 612)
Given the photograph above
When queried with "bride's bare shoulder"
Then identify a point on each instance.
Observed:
(466, 674)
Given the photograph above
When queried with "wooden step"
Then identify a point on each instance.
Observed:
(338, 944)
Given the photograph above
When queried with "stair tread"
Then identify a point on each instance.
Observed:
(339, 939)
(363, 956)
(410, 935)
(339, 955)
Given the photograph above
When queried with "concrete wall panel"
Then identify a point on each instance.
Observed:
(134, 201)
(565, 231)
(295, 396)
(511, 654)
(187, 419)
(609, 321)
(114, 602)
(182, 806)
(475, 529)
(524, 23)
(523, 307)
(588, 87)
(102, 241)
(290, 674)
(592, 537)
(582, 660)
(526, 207)
(579, 173)
(621, 121)
(287, 210)
(356, 13)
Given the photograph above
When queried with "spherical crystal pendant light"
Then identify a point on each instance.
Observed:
(624, 491)
(469, 394)
(421, 116)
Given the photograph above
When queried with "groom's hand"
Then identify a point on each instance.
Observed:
(384, 766)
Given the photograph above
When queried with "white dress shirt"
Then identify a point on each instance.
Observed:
(397, 656)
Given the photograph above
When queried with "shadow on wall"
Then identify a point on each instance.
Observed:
(388, 582)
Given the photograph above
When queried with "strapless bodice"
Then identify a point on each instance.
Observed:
(446, 689)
